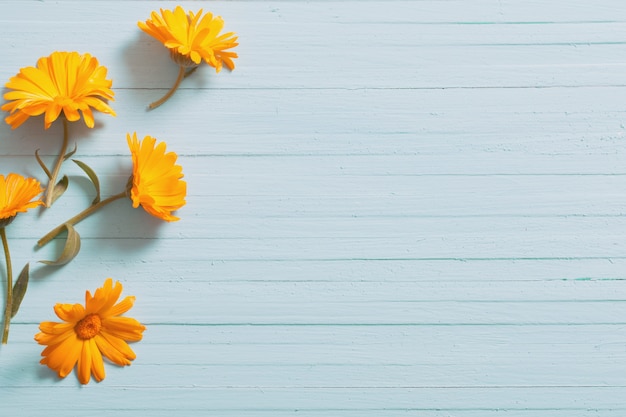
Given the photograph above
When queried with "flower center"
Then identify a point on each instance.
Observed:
(88, 327)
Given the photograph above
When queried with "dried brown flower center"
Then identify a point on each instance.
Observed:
(6, 221)
(182, 60)
(88, 327)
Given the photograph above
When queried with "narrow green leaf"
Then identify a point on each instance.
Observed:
(191, 71)
(19, 290)
(42, 165)
(69, 154)
(92, 176)
(70, 250)
(59, 188)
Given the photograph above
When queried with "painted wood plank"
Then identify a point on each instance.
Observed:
(131, 400)
(357, 356)
(480, 131)
(365, 270)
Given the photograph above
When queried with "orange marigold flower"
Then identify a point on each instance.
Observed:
(63, 81)
(156, 182)
(16, 196)
(192, 37)
(89, 332)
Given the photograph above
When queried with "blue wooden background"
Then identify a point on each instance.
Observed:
(395, 208)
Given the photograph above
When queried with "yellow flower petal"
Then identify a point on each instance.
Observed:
(84, 363)
(52, 339)
(71, 313)
(103, 299)
(119, 345)
(110, 351)
(63, 357)
(17, 118)
(97, 364)
(121, 307)
(125, 328)
(53, 328)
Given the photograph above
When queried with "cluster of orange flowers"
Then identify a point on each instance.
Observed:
(68, 85)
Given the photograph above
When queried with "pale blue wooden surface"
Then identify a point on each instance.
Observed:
(395, 208)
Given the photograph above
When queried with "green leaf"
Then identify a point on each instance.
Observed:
(19, 290)
(59, 188)
(69, 154)
(191, 71)
(70, 250)
(92, 176)
(42, 165)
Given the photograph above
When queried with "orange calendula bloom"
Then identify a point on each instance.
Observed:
(16, 196)
(90, 332)
(156, 182)
(192, 37)
(63, 81)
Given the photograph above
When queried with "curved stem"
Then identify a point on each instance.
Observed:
(80, 216)
(181, 75)
(9, 304)
(57, 166)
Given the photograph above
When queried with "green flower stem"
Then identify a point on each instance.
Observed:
(57, 166)
(80, 216)
(9, 304)
(181, 74)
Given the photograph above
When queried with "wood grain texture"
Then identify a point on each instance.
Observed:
(395, 208)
